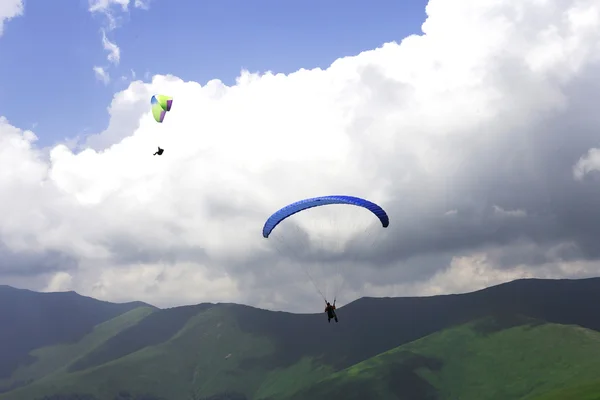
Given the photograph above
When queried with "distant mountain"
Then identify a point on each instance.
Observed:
(29, 320)
(495, 358)
(439, 347)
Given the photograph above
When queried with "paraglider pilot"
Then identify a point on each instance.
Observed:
(159, 152)
(330, 310)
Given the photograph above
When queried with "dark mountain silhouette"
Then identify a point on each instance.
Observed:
(373, 325)
(190, 338)
(29, 320)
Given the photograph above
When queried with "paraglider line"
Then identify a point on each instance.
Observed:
(314, 283)
(279, 242)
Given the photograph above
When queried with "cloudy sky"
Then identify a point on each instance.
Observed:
(474, 123)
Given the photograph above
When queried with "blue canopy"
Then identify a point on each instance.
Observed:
(301, 205)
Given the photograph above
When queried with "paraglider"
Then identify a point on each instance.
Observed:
(307, 255)
(160, 106)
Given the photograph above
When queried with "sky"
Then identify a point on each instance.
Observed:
(69, 45)
(473, 123)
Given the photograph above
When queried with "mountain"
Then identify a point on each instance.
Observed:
(488, 359)
(439, 347)
(30, 320)
(580, 391)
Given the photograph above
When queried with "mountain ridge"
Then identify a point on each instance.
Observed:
(30, 320)
(227, 349)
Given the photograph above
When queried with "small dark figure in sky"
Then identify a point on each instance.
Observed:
(159, 152)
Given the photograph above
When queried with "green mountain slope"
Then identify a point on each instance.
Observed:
(581, 391)
(53, 359)
(198, 352)
(482, 360)
(494, 358)
(209, 355)
(30, 320)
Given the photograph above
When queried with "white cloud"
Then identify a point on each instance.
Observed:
(105, 5)
(101, 75)
(9, 9)
(170, 285)
(114, 53)
(143, 4)
(60, 282)
(474, 272)
(394, 125)
(587, 163)
(464, 274)
(106, 8)
(509, 213)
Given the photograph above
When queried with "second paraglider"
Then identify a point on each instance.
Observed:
(160, 106)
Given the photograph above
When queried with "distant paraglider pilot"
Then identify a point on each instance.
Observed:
(330, 310)
(159, 152)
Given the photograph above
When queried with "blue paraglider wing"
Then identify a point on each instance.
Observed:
(301, 205)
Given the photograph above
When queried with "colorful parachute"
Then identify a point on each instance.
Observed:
(160, 106)
(298, 206)
(326, 241)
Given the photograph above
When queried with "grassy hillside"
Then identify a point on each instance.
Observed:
(480, 360)
(500, 358)
(370, 326)
(207, 356)
(196, 352)
(53, 359)
(31, 320)
(581, 391)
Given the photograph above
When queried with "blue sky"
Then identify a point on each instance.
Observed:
(47, 55)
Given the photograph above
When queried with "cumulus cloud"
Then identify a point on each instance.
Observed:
(590, 162)
(477, 271)
(59, 282)
(101, 75)
(114, 53)
(9, 9)
(111, 9)
(143, 4)
(467, 135)
(509, 213)
(105, 5)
